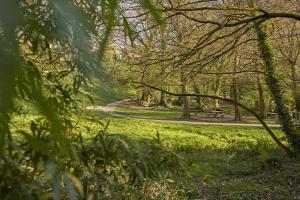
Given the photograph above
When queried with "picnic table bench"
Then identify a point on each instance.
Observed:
(215, 114)
(272, 114)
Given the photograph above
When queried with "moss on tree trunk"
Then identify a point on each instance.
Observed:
(272, 79)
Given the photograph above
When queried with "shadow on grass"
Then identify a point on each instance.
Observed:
(220, 162)
(235, 172)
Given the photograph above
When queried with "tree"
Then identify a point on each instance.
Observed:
(273, 82)
(287, 45)
(270, 132)
(262, 104)
(48, 49)
(236, 95)
(227, 26)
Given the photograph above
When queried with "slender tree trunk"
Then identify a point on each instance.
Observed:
(262, 104)
(162, 100)
(273, 83)
(199, 100)
(186, 105)
(237, 112)
(224, 91)
(205, 89)
(145, 97)
(235, 92)
(217, 89)
(295, 88)
(142, 98)
(271, 105)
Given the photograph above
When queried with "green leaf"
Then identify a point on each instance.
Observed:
(74, 25)
(129, 30)
(36, 143)
(156, 14)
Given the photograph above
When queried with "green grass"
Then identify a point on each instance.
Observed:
(149, 113)
(224, 160)
(166, 113)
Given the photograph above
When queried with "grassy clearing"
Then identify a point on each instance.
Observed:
(224, 162)
(157, 114)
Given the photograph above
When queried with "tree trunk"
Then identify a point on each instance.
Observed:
(145, 97)
(162, 101)
(273, 83)
(199, 100)
(186, 106)
(270, 132)
(217, 89)
(237, 112)
(235, 92)
(142, 98)
(295, 89)
(262, 104)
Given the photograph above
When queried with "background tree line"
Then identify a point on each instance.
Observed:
(49, 50)
(247, 51)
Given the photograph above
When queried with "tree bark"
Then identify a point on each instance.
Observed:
(186, 105)
(145, 97)
(217, 89)
(237, 112)
(262, 104)
(199, 100)
(235, 92)
(295, 88)
(162, 100)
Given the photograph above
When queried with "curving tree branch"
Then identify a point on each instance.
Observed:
(270, 132)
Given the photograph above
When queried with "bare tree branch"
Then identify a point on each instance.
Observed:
(270, 132)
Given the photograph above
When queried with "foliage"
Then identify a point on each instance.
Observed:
(48, 51)
(221, 162)
(103, 166)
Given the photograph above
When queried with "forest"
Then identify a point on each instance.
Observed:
(149, 99)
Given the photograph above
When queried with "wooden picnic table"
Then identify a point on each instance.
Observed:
(272, 114)
(215, 113)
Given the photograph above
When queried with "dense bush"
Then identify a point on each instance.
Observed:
(98, 166)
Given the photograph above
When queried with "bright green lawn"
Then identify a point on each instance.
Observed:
(229, 159)
(176, 113)
(224, 162)
(149, 113)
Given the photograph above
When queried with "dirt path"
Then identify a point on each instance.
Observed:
(111, 108)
